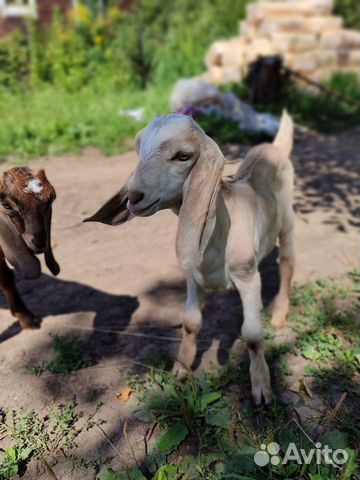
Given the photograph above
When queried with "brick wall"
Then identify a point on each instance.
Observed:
(305, 33)
(44, 10)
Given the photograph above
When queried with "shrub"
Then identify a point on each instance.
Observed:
(155, 41)
(160, 41)
(350, 11)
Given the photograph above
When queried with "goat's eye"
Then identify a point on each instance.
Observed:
(7, 206)
(182, 157)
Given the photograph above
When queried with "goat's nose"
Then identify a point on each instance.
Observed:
(135, 196)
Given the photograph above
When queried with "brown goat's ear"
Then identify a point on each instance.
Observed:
(15, 250)
(197, 213)
(50, 261)
(114, 211)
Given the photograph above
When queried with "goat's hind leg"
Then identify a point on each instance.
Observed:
(249, 288)
(18, 308)
(192, 322)
(281, 303)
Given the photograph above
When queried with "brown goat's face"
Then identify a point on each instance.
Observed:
(26, 197)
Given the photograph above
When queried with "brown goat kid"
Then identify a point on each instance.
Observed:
(25, 230)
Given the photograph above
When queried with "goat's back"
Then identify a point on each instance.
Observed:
(264, 168)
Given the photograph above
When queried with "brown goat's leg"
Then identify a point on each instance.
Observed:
(18, 308)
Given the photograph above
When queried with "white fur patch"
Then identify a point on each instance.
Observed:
(33, 186)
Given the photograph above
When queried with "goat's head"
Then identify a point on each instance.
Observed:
(25, 219)
(179, 167)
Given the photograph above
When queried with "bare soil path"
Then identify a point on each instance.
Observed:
(122, 290)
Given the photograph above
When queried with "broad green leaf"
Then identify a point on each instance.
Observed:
(108, 474)
(166, 472)
(310, 353)
(143, 415)
(351, 465)
(204, 383)
(11, 453)
(334, 439)
(241, 463)
(25, 453)
(234, 476)
(209, 398)
(136, 474)
(219, 418)
(172, 437)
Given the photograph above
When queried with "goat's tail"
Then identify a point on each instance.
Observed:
(285, 135)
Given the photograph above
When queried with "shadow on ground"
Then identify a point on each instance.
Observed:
(50, 296)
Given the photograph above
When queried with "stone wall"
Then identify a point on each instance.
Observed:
(309, 37)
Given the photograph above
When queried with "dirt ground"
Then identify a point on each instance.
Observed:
(121, 288)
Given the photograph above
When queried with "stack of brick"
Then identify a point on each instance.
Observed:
(305, 33)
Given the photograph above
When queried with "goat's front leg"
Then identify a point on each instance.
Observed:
(18, 308)
(192, 322)
(249, 288)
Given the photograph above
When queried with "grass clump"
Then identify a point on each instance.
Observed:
(42, 437)
(71, 353)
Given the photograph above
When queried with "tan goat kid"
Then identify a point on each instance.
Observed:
(25, 224)
(226, 226)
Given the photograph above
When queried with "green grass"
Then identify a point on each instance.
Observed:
(223, 431)
(70, 353)
(42, 437)
(314, 109)
(53, 121)
(206, 428)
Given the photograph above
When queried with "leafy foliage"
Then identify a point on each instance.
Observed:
(12, 461)
(161, 41)
(154, 41)
(223, 431)
(349, 10)
(44, 437)
(228, 131)
(66, 86)
(70, 354)
(318, 111)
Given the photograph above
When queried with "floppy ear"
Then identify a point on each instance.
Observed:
(15, 250)
(50, 261)
(197, 213)
(114, 211)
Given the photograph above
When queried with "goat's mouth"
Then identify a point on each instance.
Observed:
(34, 248)
(146, 211)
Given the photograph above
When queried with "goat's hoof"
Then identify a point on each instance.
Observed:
(260, 393)
(278, 321)
(180, 371)
(28, 322)
(279, 311)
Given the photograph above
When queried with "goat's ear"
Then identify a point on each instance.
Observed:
(15, 250)
(114, 211)
(50, 261)
(197, 213)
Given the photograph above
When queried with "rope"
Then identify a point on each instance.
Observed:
(117, 332)
(323, 88)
